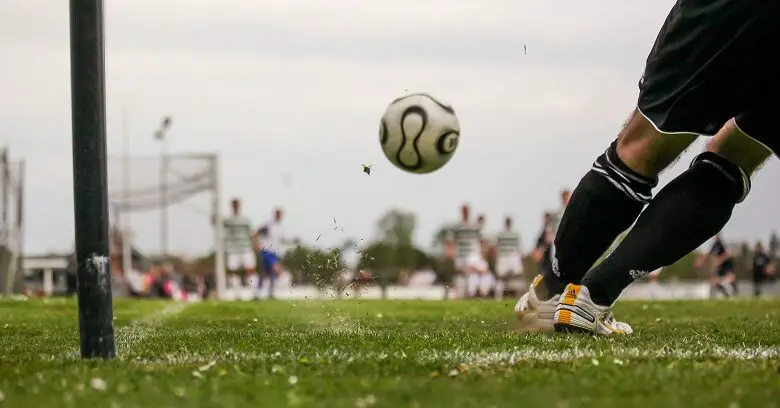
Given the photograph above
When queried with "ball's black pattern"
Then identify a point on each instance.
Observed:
(383, 133)
(446, 143)
(415, 139)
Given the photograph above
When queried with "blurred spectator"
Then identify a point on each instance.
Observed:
(119, 285)
(71, 282)
(762, 268)
(135, 281)
(422, 278)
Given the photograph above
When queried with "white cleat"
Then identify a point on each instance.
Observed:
(535, 314)
(576, 312)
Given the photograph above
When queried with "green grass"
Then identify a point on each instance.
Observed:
(390, 354)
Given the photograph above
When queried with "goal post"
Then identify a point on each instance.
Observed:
(144, 184)
(11, 223)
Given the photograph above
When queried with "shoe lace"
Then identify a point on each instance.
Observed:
(610, 319)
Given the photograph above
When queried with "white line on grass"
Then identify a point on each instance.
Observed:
(136, 331)
(493, 359)
(130, 335)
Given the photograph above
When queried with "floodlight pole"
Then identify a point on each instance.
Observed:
(90, 196)
(159, 135)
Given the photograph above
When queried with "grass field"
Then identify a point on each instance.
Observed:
(389, 354)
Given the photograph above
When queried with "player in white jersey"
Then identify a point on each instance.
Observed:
(509, 264)
(238, 241)
(482, 279)
(468, 252)
(276, 239)
(239, 248)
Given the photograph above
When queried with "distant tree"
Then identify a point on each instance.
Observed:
(396, 227)
(313, 266)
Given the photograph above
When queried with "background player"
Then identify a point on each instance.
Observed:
(239, 249)
(468, 247)
(762, 268)
(273, 246)
(509, 264)
(541, 253)
(723, 278)
(482, 267)
(270, 262)
(556, 216)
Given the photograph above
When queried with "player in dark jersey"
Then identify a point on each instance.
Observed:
(541, 253)
(710, 72)
(762, 268)
(724, 278)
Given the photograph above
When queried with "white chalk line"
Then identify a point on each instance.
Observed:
(130, 335)
(127, 337)
(494, 359)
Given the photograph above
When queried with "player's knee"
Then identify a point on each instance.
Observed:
(646, 150)
(737, 147)
(733, 174)
(634, 185)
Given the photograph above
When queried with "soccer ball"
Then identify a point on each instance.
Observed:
(418, 133)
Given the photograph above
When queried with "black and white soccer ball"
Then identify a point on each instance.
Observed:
(419, 133)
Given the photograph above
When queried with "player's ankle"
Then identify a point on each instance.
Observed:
(598, 293)
(550, 287)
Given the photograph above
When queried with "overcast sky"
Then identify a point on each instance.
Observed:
(289, 93)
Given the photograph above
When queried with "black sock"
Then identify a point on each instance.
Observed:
(687, 212)
(605, 203)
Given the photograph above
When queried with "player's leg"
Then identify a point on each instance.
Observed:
(273, 277)
(472, 276)
(271, 267)
(500, 287)
(730, 282)
(486, 283)
(233, 267)
(758, 278)
(710, 61)
(686, 213)
(472, 284)
(503, 272)
(248, 261)
(716, 284)
(609, 198)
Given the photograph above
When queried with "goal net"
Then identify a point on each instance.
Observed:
(11, 223)
(167, 207)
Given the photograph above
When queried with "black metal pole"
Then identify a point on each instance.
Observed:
(89, 179)
(164, 208)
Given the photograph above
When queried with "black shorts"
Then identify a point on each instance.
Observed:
(724, 270)
(758, 276)
(714, 60)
